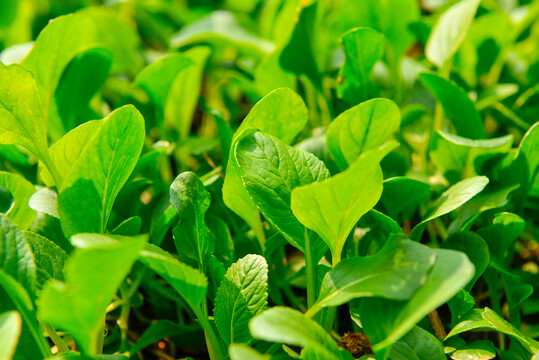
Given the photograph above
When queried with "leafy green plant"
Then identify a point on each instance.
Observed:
(269, 179)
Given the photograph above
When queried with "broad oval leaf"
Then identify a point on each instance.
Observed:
(363, 47)
(488, 319)
(272, 170)
(449, 31)
(21, 190)
(456, 104)
(93, 275)
(101, 170)
(281, 113)
(66, 151)
(402, 193)
(451, 199)
(385, 321)
(242, 295)
(529, 146)
(192, 236)
(289, 326)
(394, 272)
(361, 128)
(16, 257)
(333, 207)
(21, 113)
(10, 330)
(68, 36)
(49, 258)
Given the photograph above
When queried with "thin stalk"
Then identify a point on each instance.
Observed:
(123, 320)
(56, 339)
(52, 170)
(310, 272)
(214, 347)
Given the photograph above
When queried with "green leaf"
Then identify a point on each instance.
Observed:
(45, 200)
(333, 207)
(402, 193)
(242, 295)
(185, 91)
(101, 170)
(474, 247)
(418, 344)
(456, 104)
(242, 351)
(281, 113)
(191, 284)
(93, 275)
(49, 258)
(478, 205)
(285, 325)
(128, 227)
(363, 127)
(66, 151)
(80, 81)
(272, 170)
(10, 330)
(221, 26)
(529, 146)
(391, 17)
(456, 156)
(21, 190)
(476, 350)
(192, 236)
(385, 321)
(32, 344)
(68, 36)
(394, 272)
(21, 113)
(502, 234)
(363, 47)
(158, 77)
(450, 200)
(488, 319)
(449, 32)
(16, 257)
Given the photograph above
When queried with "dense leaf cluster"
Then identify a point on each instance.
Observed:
(277, 179)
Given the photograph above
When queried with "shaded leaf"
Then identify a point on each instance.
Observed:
(93, 275)
(21, 190)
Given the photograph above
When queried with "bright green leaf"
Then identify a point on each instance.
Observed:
(361, 128)
(333, 207)
(449, 32)
(394, 272)
(194, 240)
(363, 47)
(10, 330)
(100, 171)
(385, 321)
(93, 275)
(281, 113)
(456, 104)
(242, 295)
(451, 199)
(21, 190)
(272, 170)
(48, 256)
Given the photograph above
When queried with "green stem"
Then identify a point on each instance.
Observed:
(52, 170)
(310, 272)
(56, 339)
(214, 347)
(123, 320)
